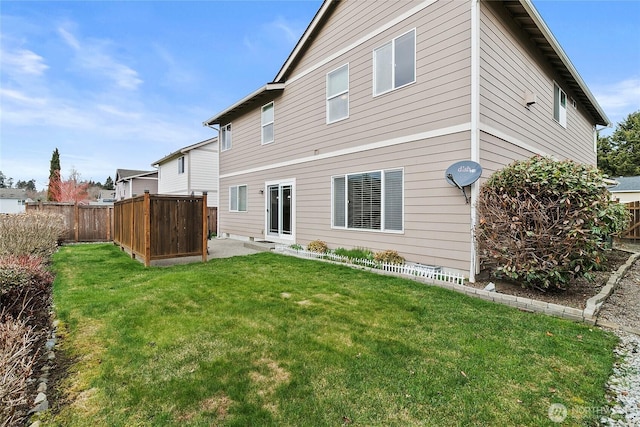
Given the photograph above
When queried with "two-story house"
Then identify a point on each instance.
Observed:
(351, 140)
(130, 183)
(190, 170)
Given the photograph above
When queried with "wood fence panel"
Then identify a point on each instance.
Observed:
(83, 223)
(212, 220)
(634, 227)
(156, 227)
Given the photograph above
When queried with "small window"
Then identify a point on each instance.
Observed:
(394, 64)
(338, 94)
(559, 105)
(267, 123)
(238, 198)
(181, 165)
(225, 137)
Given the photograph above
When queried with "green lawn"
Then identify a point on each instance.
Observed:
(273, 340)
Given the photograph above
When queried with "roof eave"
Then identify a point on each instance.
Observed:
(306, 36)
(184, 150)
(603, 120)
(269, 87)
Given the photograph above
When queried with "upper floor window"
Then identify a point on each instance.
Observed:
(181, 165)
(225, 137)
(369, 201)
(559, 105)
(394, 64)
(238, 198)
(267, 123)
(338, 94)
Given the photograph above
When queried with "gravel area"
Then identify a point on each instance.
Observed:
(621, 312)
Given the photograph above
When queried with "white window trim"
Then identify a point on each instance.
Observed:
(272, 122)
(236, 188)
(566, 100)
(382, 202)
(329, 98)
(393, 55)
(181, 165)
(228, 131)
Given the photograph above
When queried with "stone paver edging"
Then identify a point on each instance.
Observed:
(588, 315)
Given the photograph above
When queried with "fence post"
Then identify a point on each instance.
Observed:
(76, 222)
(205, 226)
(147, 228)
(109, 209)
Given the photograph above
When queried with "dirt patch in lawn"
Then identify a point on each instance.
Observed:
(577, 293)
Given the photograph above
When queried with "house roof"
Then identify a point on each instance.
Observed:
(13, 193)
(626, 184)
(248, 102)
(523, 12)
(122, 174)
(184, 150)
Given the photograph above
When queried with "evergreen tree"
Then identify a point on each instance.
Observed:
(54, 176)
(619, 154)
(108, 184)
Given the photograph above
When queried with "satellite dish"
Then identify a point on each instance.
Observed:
(462, 174)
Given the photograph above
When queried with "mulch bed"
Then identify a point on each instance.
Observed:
(577, 293)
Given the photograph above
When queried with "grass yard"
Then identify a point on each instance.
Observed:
(273, 340)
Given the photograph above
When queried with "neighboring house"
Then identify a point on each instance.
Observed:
(191, 170)
(13, 200)
(131, 183)
(350, 142)
(626, 189)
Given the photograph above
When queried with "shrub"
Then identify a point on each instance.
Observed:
(389, 257)
(25, 289)
(296, 247)
(317, 246)
(33, 233)
(18, 353)
(355, 253)
(543, 222)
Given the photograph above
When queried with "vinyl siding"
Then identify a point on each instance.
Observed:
(203, 170)
(436, 218)
(142, 184)
(170, 181)
(200, 174)
(439, 98)
(510, 65)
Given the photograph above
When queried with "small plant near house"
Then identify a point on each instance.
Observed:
(544, 222)
(296, 247)
(355, 253)
(318, 246)
(389, 257)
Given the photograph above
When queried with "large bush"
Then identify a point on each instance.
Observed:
(33, 233)
(543, 222)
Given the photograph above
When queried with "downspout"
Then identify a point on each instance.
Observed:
(475, 131)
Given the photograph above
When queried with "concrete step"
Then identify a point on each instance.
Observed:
(260, 245)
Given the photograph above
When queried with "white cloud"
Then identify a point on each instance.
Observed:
(290, 31)
(22, 61)
(93, 55)
(21, 97)
(620, 98)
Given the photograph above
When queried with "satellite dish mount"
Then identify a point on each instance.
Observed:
(463, 174)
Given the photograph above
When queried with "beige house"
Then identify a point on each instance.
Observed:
(190, 170)
(350, 142)
(131, 183)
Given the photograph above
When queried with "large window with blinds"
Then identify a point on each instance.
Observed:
(368, 201)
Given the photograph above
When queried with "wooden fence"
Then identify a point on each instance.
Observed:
(155, 227)
(83, 223)
(634, 227)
